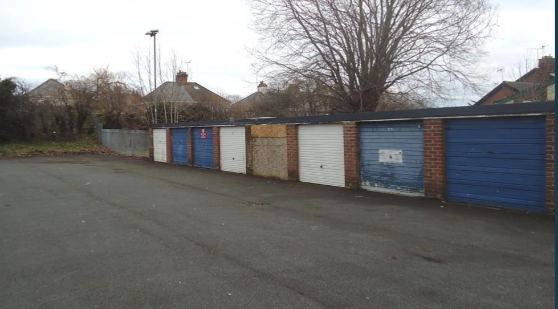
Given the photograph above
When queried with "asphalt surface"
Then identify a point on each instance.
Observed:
(110, 232)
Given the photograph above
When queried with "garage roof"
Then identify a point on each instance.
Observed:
(443, 112)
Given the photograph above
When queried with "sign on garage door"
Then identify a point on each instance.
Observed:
(202, 139)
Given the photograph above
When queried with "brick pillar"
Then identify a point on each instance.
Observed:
(169, 145)
(216, 148)
(249, 153)
(434, 158)
(292, 152)
(151, 153)
(350, 142)
(550, 144)
(190, 147)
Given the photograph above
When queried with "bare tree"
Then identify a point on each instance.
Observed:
(57, 111)
(81, 92)
(172, 110)
(401, 101)
(119, 104)
(231, 97)
(359, 49)
(143, 82)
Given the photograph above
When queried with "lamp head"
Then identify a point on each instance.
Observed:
(152, 32)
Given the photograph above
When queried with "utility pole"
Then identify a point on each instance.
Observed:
(153, 33)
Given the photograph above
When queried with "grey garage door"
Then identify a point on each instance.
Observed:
(392, 157)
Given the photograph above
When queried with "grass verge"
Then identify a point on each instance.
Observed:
(85, 145)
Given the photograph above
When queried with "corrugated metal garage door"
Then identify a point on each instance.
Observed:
(392, 157)
(321, 154)
(202, 139)
(180, 146)
(233, 149)
(160, 145)
(497, 161)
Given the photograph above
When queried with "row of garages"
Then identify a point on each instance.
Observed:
(232, 147)
(496, 161)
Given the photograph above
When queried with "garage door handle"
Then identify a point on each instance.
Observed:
(233, 158)
(490, 152)
(321, 166)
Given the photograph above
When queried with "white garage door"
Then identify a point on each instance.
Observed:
(233, 149)
(321, 154)
(160, 145)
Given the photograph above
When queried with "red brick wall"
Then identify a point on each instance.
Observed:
(292, 152)
(550, 144)
(151, 153)
(216, 148)
(169, 145)
(434, 158)
(249, 153)
(190, 147)
(499, 95)
(350, 141)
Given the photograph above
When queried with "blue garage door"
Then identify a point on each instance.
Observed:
(497, 161)
(202, 139)
(392, 157)
(179, 146)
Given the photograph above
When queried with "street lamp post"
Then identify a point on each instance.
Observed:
(153, 34)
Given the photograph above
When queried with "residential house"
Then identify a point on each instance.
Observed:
(535, 85)
(291, 101)
(184, 100)
(183, 91)
(111, 103)
(249, 106)
(51, 91)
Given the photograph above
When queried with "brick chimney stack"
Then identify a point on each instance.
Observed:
(546, 63)
(182, 78)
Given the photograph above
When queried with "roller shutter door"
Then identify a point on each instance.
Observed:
(233, 149)
(160, 145)
(321, 154)
(497, 161)
(392, 157)
(180, 146)
(202, 139)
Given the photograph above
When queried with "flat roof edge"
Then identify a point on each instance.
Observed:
(516, 109)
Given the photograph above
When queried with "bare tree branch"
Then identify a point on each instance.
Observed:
(360, 49)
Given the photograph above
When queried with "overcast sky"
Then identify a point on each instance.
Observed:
(211, 35)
